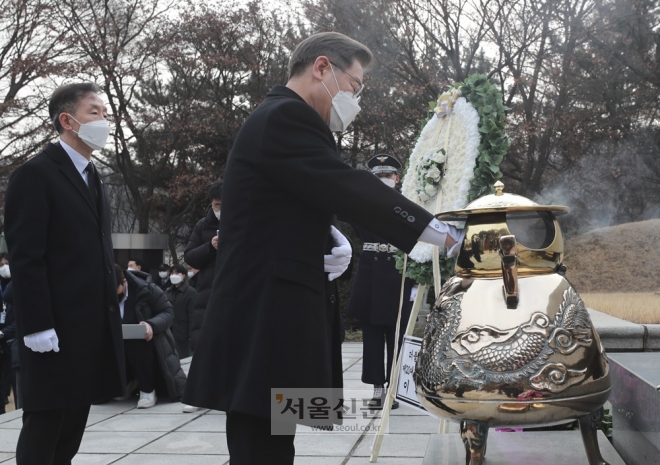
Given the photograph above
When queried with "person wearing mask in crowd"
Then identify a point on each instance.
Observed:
(164, 271)
(201, 253)
(182, 296)
(153, 359)
(192, 276)
(5, 273)
(6, 372)
(267, 323)
(8, 336)
(57, 226)
(134, 264)
(375, 297)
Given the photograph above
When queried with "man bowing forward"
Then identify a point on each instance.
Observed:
(57, 218)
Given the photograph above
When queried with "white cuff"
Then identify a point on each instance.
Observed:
(436, 233)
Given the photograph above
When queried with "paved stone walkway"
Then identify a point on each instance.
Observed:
(118, 433)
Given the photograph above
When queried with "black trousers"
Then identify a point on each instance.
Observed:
(374, 339)
(250, 442)
(140, 358)
(51, 437)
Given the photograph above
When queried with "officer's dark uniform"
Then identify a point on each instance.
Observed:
(375, 297)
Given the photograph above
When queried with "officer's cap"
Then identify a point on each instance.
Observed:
(383, 163)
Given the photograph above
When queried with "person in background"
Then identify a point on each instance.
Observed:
(134, 264)
(8, 335)
(183, 297)
(57, 225)
(192, 276)
(164, 271)
(6, 372)
(376, 294)
(153, 358)
(201, 253)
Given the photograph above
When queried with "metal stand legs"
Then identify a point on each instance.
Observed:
(589, 429)
(474, 437)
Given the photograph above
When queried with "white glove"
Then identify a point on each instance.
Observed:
(338, 262)
(43, 341)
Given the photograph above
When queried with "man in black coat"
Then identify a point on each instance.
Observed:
(376, 294)
(267, 325)
(183, 298)
(57, 218)
(201, 253)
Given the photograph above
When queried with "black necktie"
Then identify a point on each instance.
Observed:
(92, 184)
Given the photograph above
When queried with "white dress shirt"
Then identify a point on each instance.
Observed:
(436, 233)
(79, 161)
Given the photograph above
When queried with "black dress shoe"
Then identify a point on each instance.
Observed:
(395, 404)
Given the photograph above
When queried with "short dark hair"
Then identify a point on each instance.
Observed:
(340, 49)
(181, 269)
(119, 274)
(137, 261)
(215, 191)
(65, 99)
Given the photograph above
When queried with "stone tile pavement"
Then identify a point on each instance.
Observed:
(118, 433)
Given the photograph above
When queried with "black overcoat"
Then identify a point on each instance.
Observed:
(376, 289)
(60, 250)
(201, 254)
(267, 324)
(183, 300)
(153, 307)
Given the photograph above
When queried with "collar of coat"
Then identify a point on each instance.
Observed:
(137, 282)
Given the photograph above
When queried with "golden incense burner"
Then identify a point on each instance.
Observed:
(509, 341)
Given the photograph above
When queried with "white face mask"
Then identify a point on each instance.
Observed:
(94, 133)
(162, 274)
(191, 274)
(388, 182)
(345, 107)
(216, 213)
(4, 271)
(176, 279)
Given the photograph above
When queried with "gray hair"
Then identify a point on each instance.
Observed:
(340, 49)
(65, 100)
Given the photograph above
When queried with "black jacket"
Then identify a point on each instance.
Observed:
(153, 307)
(183, 300)
(62, 262)
(267, 324)
(9, 328)
(377, 287)
(201, 254)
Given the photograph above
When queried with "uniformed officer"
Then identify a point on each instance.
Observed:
(376, 292)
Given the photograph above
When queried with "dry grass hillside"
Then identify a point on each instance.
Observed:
(622, 258)
(617, 270)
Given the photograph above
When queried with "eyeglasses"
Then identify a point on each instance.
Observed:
(360, 88)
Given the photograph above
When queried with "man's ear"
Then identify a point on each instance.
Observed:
(65, 121)
(320, 67)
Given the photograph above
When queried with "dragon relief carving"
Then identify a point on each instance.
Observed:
(481, 355)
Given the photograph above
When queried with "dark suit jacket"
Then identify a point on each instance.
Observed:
(377, 287)
(267, 324)
(61, 257)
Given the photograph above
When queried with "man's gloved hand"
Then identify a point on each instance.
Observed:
(43, 341)
(340, 257)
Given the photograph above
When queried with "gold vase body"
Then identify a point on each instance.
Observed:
(509, 341)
